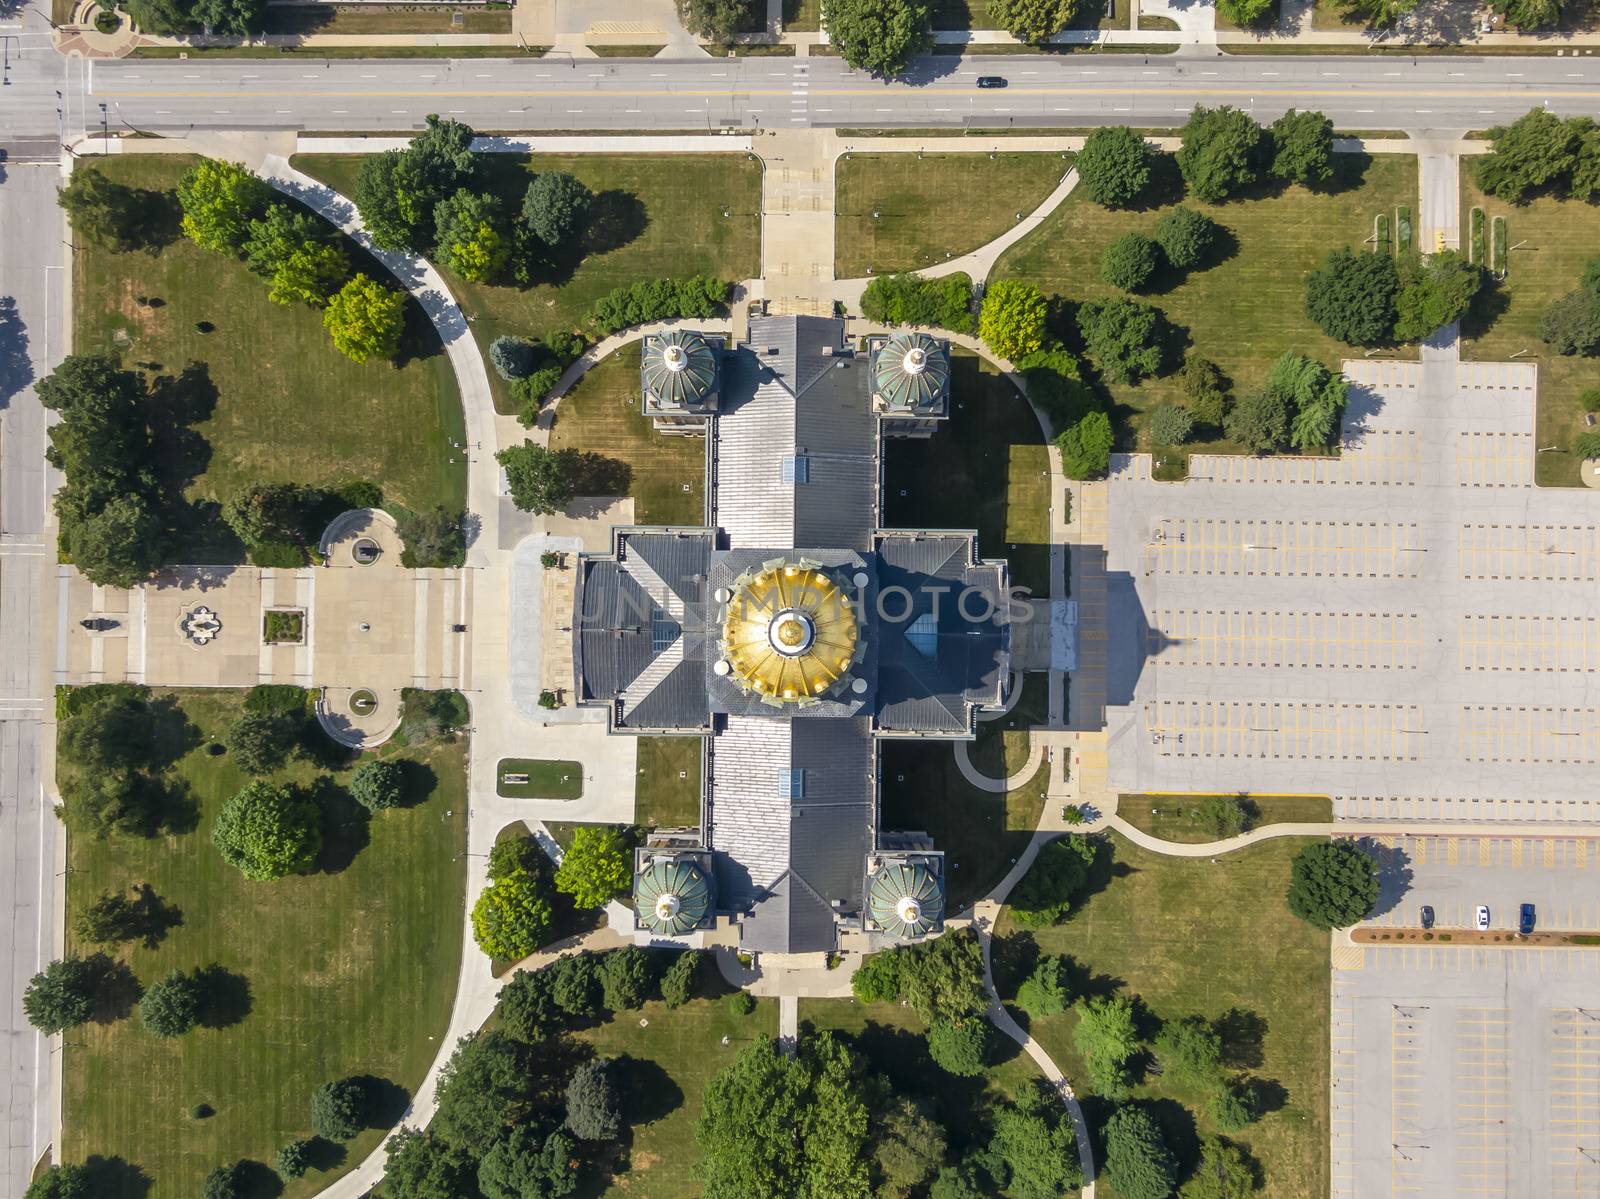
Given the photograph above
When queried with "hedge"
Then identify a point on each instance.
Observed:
(944, 303)
(661, 299)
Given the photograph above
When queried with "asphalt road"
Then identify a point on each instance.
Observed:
(1371, 92)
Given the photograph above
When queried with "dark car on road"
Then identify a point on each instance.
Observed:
(991, 80)
(1525, 919)
(1427, 916)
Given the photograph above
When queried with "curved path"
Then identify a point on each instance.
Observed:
(996, 786)
(603, 349)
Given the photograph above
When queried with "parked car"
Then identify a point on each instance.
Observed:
(991, 80)
(1525, 919)
(1483, 918)
(1427, 916)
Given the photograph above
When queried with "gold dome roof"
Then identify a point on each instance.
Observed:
(790, 632)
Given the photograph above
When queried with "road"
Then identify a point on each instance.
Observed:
(1372, 92)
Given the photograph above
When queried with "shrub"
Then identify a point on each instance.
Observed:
(1170, 425)
(680, 983)
(1259, 421)
(660, 299)
(741, 1003)
(1332, 884)
(906, 299)
(62, 995)
(1233, 1108)
(594, 1109)
(960, 1048)
(512, 357)
(1123, 338)
(340, 1110)
(1186, 237)
(225, 1182)
(1223, 815)
(1587, 445)
(171, 1007)
(1045, 992)
(879, 978)
(1572, 324)
(294, 1159)
(1114, 166)
(267, 832)
(627, 976)
(1138, 1163)
(378, 784)
(1011, 321)
(1590, 399)
(1129, 262)
(1086, 446)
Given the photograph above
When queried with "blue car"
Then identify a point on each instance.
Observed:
(1525, 919)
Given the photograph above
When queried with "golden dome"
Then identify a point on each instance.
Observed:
(790, 632)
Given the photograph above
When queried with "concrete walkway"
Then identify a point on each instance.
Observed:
(984, 782)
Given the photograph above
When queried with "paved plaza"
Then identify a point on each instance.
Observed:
(1471, 1072)
(1408, 626)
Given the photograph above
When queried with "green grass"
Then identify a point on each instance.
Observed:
(602, 414)
(1002, 746)
(628, 51)
(675, 1053)
(656, 216)
(987, 468)
(289, 407)
(1190, 937)
(373, 52)
(1553, 240)
(547, 779)
(802, 14)
(1245, 310)
(932, 208)
(351, 970)
(665, 800)
(975, 14)
(1174, 816)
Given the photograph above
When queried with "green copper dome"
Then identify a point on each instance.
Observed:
(671, 897)
(906, 900)
(910, 371)
(679, 369)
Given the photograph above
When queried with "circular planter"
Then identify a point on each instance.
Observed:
(363, 702)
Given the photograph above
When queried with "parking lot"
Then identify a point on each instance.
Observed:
(1471, 1071)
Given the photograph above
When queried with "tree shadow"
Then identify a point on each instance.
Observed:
(16, 368)
(168, 806)
(1166, 184)
(172, 733)
(116, 989)
(1487, 307)
(1168, 278)
(323, 1154)
(1394, 874)
(346, 825)
(1242, 1034)
(1268, 1094)
(419, 340)
(315, 746)
(225, 998)
(1349, 172)
(616, 218)
(1012, 958)
(649, 1092)
(115, 1178)
(257, 1180)
(1083, 983)
(387, 1101)
(595, 474)
(157, 220)
(1178, 1131)
(152, 916)
(418, 782)
(176, 404)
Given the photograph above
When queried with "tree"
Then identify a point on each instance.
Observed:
(1039, 1148)
(1353, 297)
(1530, 15)
(1534, 151)
(1435, 291)
(378, 784)
(1572, 324)
(1185, 236)
(267, 832)
(471, 235)
(239, 18)
(627, 976)
(575, 985)
(111, 918)
(1123, 337)
(1086, 446)
(260, 742)
(422, 1166)
(1223, 1172)
(1106, 1036)
(269, 512)
(1205, 391)
(121, 545)
(310, 275)
(62, 1182)
(961, 1048)
(644, 300)
(1332, 884)
(907, 1148)
(171, 1007)
(1138, 1163)
(512, 916)
(527, 1007)
(340, 1109)
(958, 1182)
(1380, 12)
(62, 995)
(1033, 20)
(1233, 1108)
(1011, 321)
(680, 982)
(1302, 147)
(1114, 166)
(773, 1127)
(113, 734)
(878, 36)
(528, 1164)
(597, 866)
(1045, 894)
(1246, 13)
(1223, 815)
(1312, 394)
(943, 979)
(225, 1182)
(1170, 424)
(513, 357)
(1220, 152)
(540, 479)
(879, 977)
(365, 319)
(485, 1088)
(433, 537)
(101, 211)
(1190, 1051)
(556, 204)
(1129, 261)
(1259, 421)
(1045, 991)
(277, 233)
(294, 1159)
(398, 191)
(219, 200)
(594, 1108)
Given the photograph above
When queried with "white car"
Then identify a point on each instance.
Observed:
(1483, 918)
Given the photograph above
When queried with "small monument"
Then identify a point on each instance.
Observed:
(199, 625)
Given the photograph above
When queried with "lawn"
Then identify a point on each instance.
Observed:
(655, 216)
(1553, 240)
(547, 779)
(802, 14)
(1248, 308)
(350, 970)
(987, 468)
(668, 795)
(664, 474)
(1002, 745)
(673, 1055)
(981, 833)
(1173, 817)
(288, 406)
(1193, 937)
(931, 208)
